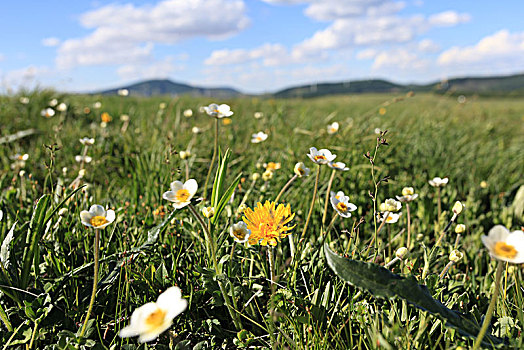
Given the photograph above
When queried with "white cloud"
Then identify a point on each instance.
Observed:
(367, 54)
(2, 57)
(502, 49)
(428, 45)
(399, 58)
(127, 33)
(50, 42)
(27, 77)
(448, 19)
(240, 56)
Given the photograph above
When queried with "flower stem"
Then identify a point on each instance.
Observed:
(446, 269)
(312, 203)
(211, 244)
(285, 187)
(491, 307)
(439, 208)
(327, 196)
(95, 279)
(212, 164)
(386, 214)
(409, 226)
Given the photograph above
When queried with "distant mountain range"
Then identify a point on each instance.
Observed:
(496, 85)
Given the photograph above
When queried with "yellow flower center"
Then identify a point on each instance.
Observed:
(240, 234)
(155, 319)
(98, 221)
(389, 218)
(505, 250)
(319, 157)
(341, 206)
(182, 195)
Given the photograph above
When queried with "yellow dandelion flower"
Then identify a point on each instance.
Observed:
(106, 118)
(382, 111)
(268, 223)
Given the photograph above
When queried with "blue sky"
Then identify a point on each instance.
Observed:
(254, 45)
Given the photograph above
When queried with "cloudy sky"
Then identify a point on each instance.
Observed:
(254, 45)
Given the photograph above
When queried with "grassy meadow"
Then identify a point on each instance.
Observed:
(255, 296)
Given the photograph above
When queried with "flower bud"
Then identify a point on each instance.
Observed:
(401, 252)
(255, 176)
(455, 256)
(267, 175)
(208, 212)
(301, 170)
(188, 113)
(407, 191)
(457, 207)
(241, 209)
(185, 154)
(460, 228)
(62, 212)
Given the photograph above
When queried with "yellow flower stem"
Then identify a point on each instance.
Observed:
(186, 163)
(311, 207)
(386, 214)
(286, 186)
(95, 282)
(409, 226)
(491, 307)
(439, 208)
(212, 163)
(327, 196)
(446, 269)
(211, 244)
(456, 241)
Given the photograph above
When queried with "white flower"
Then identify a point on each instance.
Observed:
(301, 170)
(218, 111)
(62, 107)
(196, 130)
(258, 115)
(338, 166)
(97, 216)
(85, 159)
(24, 100)
(188, 113)
(208, 212)
(505, 246)
(408, 195)
(184, 154)
(97, 105)
(53, 102)
(258, 137)
(390, 205)
(378, 131)
(151, 319)
(322, 156)
(458, 207)
(438, 182)
(391, 218)
(47, 112)
(162, 105)
(20, 157)
(122, 92)
(181, 193)
(124, 118)
(341, 204)
(332, 128)
(86, 141)
(240, 232)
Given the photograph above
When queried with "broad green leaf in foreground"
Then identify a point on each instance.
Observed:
(381, 282)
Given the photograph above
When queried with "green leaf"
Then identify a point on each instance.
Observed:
(382, 283)
(219, 176)
(36, 231)
(225, 198)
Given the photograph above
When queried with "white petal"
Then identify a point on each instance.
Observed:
(97, 210)
(128, 331)
(498, 233)
(192, 186)
(169, 195)
(176, 185)
(110, 216)
(85, 217)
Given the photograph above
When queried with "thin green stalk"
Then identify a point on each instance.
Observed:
(409, 226)
(491, 307)
(270, 258)
(437, 244)
(312, 203)
(5, 319)
(386, 214)
(285, 187)
(212, 164)
(327, 196)
(95, 279)
(212, 248)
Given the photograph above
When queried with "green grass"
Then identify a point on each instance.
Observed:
(47, 283)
